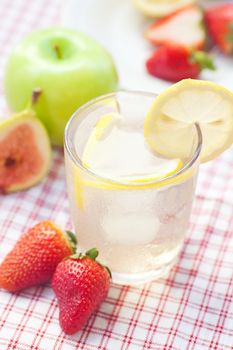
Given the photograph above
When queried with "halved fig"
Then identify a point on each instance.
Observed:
(25, 152)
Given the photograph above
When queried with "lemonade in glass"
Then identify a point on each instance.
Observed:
(127, 200)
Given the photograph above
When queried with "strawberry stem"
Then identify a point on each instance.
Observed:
(72, 240)
(92, 253)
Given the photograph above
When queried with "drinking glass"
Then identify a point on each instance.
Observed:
(138, 227)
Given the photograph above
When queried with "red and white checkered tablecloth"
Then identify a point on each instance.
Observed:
(191, 309)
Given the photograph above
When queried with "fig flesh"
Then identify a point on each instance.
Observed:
(25, 152)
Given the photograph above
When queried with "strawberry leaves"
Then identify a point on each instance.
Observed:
(204, 60)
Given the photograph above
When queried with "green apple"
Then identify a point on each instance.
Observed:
(69, 67)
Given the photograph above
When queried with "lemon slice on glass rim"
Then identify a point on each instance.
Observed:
(169, 122)
(159, 8)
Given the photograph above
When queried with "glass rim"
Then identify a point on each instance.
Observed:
(78, 162)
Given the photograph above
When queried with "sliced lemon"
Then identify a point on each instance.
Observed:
(159, 8)
(162, 177)
(136, 184)
(103, 129)
(163, 171)
(169, 124)
(100, 131)
(78, 188)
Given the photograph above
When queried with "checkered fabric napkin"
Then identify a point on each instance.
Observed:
(191, 309)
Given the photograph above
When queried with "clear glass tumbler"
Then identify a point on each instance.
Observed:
(137, 226)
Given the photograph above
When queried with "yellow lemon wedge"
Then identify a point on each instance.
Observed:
(159, 8)
(170, 123)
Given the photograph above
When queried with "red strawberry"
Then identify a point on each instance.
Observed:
(219, 21)
(174, 63)
(35, 256)
(80, 284)
(182, 27)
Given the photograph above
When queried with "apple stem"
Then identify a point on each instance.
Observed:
(35, 95)
(57, 50)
